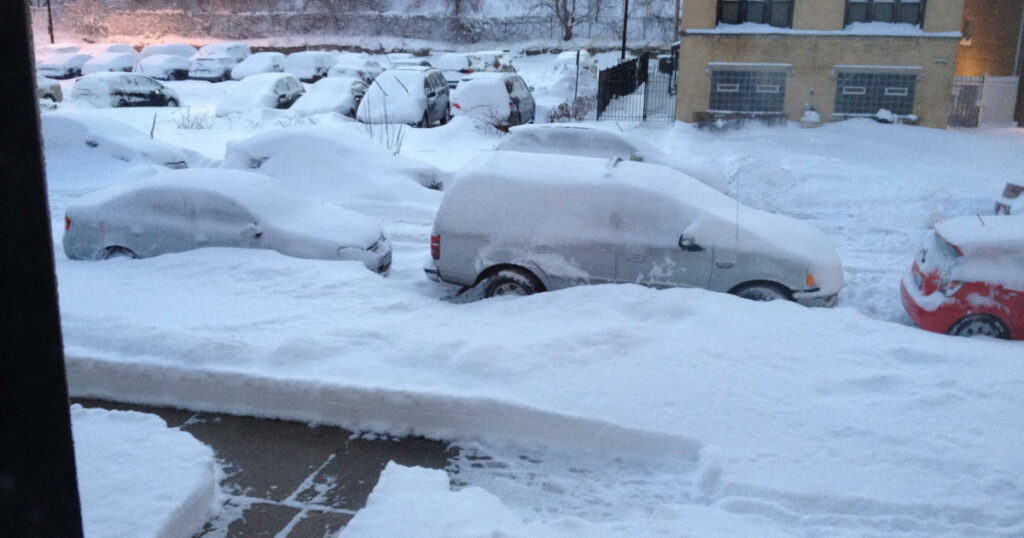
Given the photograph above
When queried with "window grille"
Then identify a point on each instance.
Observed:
(867, 93)
(774, 12)
(748, 91)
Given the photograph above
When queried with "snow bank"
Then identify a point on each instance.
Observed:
(139, 478)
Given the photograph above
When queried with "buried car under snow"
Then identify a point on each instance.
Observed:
(325, 162)
(968, 278)
(264, 90)
(189, 209)
(85, 135)
(518, 223)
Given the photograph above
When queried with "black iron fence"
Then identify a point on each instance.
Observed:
(638, 89)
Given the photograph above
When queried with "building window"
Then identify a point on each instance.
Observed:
(901, 11)
(867, 93)
(774, 12)
(758, 92)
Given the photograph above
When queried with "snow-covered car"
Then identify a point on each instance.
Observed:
(520, 223)
(173, 49)
(968, 278)
(412, 95)
(55, 49)
(365, 69)
(592, 142)
(164, 66)
(190, 209)
(122, 62)
(235, 49)
(62, 66)
(260, 62)
(47, 88)
(265, 90)
(123, 90)
(567, 61)
(456, 65)
(89, 133)
(499, 99)
(214, 68)
(495, 60)
(310, 65)
(332, 94)
(329, 164)
(114, 48)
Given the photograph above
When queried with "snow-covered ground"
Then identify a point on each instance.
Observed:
(137, 477)
(608, 410)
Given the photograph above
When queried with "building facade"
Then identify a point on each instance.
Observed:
(841, 58)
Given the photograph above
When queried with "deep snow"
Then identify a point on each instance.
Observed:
(635, 411)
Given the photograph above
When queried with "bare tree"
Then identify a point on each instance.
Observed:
(460, 7)
(565, 12)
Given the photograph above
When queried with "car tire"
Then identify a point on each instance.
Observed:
(980, 325)
(511, 282)
(171, 103)
(762, 291)
(121, 103)
(446, 118)
(425, 122)
(118, 252)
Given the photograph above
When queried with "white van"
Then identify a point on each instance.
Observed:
(520, 223)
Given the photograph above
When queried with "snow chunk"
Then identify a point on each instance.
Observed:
(139, 478)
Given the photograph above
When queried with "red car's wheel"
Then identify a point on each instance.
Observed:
(980, 325)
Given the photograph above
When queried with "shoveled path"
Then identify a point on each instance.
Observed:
(288, 479)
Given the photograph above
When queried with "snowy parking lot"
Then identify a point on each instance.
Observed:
(612, 410)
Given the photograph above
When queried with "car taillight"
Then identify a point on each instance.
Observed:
(435, 247)
(456, 105)
(67, 223)
(510, 105)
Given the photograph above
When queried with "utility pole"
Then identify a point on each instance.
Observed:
(625, 20)
(49, 20)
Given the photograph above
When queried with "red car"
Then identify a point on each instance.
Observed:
(968, 279)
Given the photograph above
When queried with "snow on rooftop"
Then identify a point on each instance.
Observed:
(881, 29)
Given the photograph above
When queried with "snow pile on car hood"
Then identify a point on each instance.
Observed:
(308, 63)
(330, 164)
(395, 96)
(137, 477)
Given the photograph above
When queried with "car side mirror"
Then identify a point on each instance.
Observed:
(688, 243)
(431, 94)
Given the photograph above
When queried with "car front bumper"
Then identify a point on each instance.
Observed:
(816, 299)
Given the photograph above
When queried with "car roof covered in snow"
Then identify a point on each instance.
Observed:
(984, 232)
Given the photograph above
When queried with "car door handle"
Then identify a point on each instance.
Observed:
(636, 258)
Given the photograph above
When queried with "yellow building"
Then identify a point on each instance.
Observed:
(841, 58)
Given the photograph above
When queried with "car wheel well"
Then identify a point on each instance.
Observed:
(768, 285)
(117, 251)
(495, 269)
